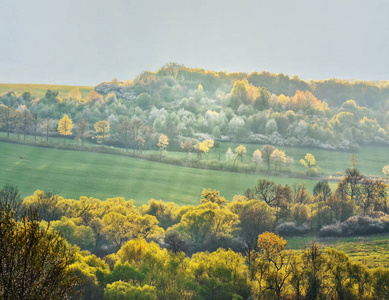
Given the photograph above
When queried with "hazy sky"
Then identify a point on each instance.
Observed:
(84, 42)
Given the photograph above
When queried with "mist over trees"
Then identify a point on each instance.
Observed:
(197, 105)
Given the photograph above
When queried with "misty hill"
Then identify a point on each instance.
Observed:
(195, 105)
(334, 91)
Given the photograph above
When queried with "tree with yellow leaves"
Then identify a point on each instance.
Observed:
(75, 95)
(65, 126)
(309, 159)
(203, 147)
(273, 267)
(102, 131)
(240, 151)
(278, 157)
(163, 141)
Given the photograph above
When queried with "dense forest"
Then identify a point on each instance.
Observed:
(196, 105)
(218, 249)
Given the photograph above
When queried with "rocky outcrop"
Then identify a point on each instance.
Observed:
(118, 88)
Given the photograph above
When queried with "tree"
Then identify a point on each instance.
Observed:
(257, 157)
(48, 127)
(65, 126)
(144, 101)
(255, 218)
(140, 141)
(82, 130)
(11, 196)
(278, 157)
(266, 151)
(34, 261)
(186, 146)
(271, 193)
(206, 224)
(124, 130)
(212, 196)
(102, 131)
(94, 96)
(229, 154)
(163, 141)
(240, 151)
(118, 228)
(26, 122)
(322, 189)
(385, 170)
(239, 94)
(75, 95)
(309, 162)
(203, 147)
(9, 117)
(35, 123)
(274, 265)
(126, 291)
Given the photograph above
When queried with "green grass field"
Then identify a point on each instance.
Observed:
(39, 90)
(371, 158)
(369, 250)
(77, 173)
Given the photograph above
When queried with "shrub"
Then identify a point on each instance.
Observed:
(333, 230)
(357, 225)
(291, 229)
(362, 225)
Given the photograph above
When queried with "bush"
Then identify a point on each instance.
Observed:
(357, 225)
(291, 229)
(333, 230)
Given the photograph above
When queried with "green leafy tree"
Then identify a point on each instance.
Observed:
(34, 261)
(9, 118)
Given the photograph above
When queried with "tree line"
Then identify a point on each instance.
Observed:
(192, 104)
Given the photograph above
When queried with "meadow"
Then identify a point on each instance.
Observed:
(330, 163)
(79, 173)
(371, 251)
(39, 90)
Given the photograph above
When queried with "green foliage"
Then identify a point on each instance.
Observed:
(34, 261)
(121, 290)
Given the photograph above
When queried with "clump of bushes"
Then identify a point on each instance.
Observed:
(357, 225)
(291, 229)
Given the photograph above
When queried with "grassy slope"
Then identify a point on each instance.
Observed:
(369, 250)
(75, 173)
(39, 90)
(372, 158)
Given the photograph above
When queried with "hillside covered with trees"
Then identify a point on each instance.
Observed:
(196, 105)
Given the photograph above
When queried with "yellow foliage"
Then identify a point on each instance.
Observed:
(270, 243)
(240, 150)
(278, 156)
(204, 146)
(65, 126)
(102, 130)
(163, 141)
(311, 159)
(304, 163)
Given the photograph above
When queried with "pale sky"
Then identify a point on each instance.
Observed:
(85, 42)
